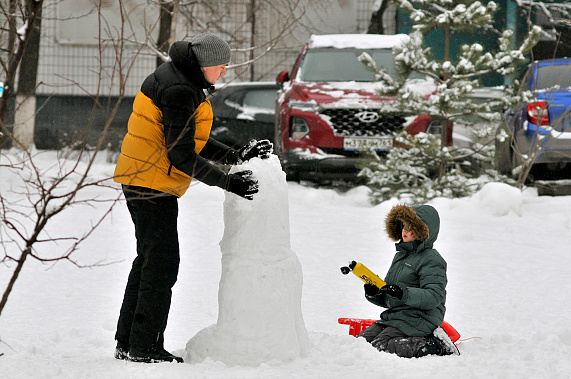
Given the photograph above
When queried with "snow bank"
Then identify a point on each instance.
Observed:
(259, 297)
(500, 199)
(507, 279)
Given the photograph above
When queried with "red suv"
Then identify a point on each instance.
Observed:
(327, 109)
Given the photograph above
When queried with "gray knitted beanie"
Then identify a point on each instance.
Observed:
(210, 50)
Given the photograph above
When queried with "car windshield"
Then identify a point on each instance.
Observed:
(554, 76)
(341, 65)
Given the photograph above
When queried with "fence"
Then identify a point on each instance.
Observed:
(72, 38)
(79, 50)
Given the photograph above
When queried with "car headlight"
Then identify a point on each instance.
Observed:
(298, 128)
(304, 106)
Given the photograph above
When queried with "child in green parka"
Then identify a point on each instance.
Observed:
(415, 293)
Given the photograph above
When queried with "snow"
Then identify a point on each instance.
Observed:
(248, 112)
(259, 318)
(358, 41)
(508, 280)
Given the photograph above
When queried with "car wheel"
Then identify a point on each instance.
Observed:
(292, 175)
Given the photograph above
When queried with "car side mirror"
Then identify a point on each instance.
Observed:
(282, 77)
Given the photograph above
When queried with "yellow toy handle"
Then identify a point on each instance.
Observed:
(363, 273)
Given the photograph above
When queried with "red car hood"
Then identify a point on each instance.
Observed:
(349, 93)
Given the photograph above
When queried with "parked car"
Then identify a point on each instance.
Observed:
(243, 111)
(543, 124)
(327, 110)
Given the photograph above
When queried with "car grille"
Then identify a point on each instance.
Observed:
(346, 123)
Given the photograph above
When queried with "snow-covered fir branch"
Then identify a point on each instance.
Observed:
(426, 167)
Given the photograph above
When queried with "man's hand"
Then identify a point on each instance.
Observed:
(261, 149)
(242, 184)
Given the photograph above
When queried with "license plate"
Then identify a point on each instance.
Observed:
(353, 143)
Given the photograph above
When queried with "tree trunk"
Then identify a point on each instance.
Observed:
(10, 70)
(174, 21)
(26, 95)
(24, 121)
(165, 27)
(14, 278)
(376, 25)
(10, 74)
(447, 43)
(252, 17)
(446, 124)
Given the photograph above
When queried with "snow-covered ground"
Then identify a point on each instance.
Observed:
(508, 255)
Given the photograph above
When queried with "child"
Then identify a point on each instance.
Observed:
(415, 292)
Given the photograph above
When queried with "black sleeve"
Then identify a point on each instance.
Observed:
(180, 104)
(219, 152)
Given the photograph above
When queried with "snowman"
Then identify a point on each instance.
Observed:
(259, 298)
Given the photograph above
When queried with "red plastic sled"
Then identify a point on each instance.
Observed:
(357, 325)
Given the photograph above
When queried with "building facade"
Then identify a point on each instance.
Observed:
(103, 49)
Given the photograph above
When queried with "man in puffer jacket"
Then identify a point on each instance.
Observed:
(415, 293)
(167, 145)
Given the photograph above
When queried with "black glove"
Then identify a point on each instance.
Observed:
(261, 149)
(242, 184)
(371, 290)
(392, 290)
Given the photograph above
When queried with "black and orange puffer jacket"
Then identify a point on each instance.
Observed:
(168, 139)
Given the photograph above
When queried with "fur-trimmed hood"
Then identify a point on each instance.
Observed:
(423, 221)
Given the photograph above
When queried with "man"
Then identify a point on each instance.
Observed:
(168, 144)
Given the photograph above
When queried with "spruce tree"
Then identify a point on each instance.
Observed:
(453, 80)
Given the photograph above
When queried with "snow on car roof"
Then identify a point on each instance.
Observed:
(243, 84)
(360, 41)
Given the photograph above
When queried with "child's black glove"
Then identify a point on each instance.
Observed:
(262, 149)
(242, 184)
(371, 290)
(392, 290)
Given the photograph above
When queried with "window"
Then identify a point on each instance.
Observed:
(339, 65)
(264, 98)
(79, 20)
(552, 76)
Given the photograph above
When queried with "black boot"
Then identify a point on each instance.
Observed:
(154, 355)
(121, 351)
(444, 344)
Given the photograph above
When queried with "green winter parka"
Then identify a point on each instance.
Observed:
(418, 269)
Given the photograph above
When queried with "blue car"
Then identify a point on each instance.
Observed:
(539, 130)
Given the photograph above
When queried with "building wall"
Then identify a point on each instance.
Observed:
(510, 15)
(78, 53)
(89, 57)
(78, 49)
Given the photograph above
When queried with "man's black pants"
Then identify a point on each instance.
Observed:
(146, 303)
